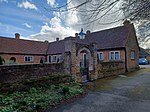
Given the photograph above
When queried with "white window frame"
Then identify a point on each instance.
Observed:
(112, 55)
(132, 54)
(31, 58)
(49, 58)
(54, 58)
(100, 57)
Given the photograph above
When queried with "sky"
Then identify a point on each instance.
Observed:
(34, 20)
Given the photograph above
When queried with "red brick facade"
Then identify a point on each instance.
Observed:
(20, 59)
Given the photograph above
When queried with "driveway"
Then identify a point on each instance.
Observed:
(124, 93)
(145, 66)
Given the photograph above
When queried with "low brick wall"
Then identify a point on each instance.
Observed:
(106, 69)
(13, 73)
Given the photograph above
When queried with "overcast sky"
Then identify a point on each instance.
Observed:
(32, 21)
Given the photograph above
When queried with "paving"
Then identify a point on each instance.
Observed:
(124, 93)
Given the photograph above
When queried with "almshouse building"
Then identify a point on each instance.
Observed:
(83, 55)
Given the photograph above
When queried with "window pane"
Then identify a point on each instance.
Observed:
(49, 58)
(100, 56)
(132, 55)
(112, 55)
(116, 55)
(26, 59)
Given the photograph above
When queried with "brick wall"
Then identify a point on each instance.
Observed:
(13, 73)
(106, 69)
(132, 45)
(148, 58)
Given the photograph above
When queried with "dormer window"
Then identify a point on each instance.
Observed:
(82, 34)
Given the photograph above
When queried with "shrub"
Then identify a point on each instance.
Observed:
(65, 90)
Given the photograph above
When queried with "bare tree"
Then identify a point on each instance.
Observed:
(95, 10)
(137, 9)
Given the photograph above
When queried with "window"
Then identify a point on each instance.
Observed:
(100, 56)
(132, 55)
(28, 58)
(114, 55)
(82, 36)
(54, 58)
(49, 59)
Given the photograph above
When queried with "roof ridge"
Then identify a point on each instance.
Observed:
(108, 29)
(1, 37)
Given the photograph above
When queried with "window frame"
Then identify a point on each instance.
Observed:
(102, 56)
(28, 58)
(132, 54)
(54, 58)
(112, 56)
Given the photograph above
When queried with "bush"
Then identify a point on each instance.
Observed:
(65, 90)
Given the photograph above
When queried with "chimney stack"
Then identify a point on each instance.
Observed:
(17, 36)
(88, 32)
(76, 35)
(126, 22)
(57, 39)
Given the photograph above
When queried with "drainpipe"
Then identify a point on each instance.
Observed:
(70, 63)
(126, 60)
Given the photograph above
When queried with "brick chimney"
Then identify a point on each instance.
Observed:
(88, 32)
(57, 39)
(17, 36)
(76, 35)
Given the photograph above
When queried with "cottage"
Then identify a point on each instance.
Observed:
(83, 53)
(22, 51)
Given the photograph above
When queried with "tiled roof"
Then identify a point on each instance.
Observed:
(56, 47)
(12, 45)
(107, 39)
(143, 52)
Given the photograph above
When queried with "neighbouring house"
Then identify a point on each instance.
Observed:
(87, 56)
(16, 50)
(144, 54)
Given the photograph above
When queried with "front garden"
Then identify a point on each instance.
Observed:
(32, 96)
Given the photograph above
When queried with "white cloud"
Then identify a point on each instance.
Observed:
(6, 1)
(83, 17)
(52, 30)
(51, 2)
(27, 25)
(27, 5)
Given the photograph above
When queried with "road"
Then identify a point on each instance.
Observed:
(124, 93)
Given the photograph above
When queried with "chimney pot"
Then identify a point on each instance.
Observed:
(126, 22)
(88, 32)
(76, 34)
(57, 39)
(17, 36)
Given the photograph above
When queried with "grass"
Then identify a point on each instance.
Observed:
(37, 99)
